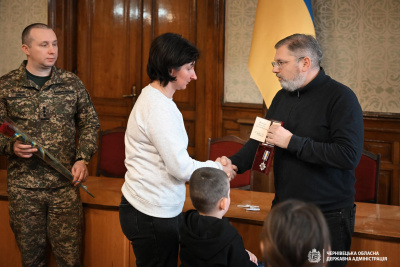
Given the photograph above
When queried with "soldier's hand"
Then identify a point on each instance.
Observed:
(80, 172)
(23, 151)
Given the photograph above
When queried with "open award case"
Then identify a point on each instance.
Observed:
(265, 152)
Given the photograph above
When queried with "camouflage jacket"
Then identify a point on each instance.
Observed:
(51, 115)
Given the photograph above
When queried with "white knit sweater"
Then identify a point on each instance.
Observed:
(156, 156)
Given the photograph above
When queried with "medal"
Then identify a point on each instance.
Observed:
(264, 159)
(262, 166)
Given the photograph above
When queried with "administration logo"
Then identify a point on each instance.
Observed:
(314, 256)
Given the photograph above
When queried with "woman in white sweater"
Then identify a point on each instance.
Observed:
(157, 161)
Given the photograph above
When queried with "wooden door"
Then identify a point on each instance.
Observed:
(109, 56)
(113, 42)
(106, 42)
(177, 16)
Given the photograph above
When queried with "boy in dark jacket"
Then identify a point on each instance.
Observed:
(207, 239)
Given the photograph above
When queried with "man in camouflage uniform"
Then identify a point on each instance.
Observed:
(50, 104)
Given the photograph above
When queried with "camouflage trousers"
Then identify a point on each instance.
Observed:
(41, 215)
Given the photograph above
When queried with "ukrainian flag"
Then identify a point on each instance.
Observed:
(274, 21)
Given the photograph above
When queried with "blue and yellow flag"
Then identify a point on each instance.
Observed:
(274, 21)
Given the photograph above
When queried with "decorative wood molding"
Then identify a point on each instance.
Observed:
(62, 18)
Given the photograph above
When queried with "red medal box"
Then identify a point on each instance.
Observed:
(264, 156)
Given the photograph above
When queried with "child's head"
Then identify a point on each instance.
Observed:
(207, 188)
(291, 232)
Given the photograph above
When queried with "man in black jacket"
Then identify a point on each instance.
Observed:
(321, 139)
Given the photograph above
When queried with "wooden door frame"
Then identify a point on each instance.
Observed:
(62, 17)
(210, 69)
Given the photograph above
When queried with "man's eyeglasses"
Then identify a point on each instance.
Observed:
(279, 64)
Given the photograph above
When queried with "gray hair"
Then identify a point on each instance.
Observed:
(303, 45)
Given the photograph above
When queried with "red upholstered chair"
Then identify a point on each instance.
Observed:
(228, 146)
(367, 175)
(111, 154)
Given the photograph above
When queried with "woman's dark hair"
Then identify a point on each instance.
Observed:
(292, 231)
(169, 51)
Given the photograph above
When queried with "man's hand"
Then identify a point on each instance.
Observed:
(228, 167)
(80, 172)
(278, 136)
(23, 151)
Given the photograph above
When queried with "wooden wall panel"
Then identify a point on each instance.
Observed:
(9, 248)
(382, 135)
(111, 241)
(239, 119)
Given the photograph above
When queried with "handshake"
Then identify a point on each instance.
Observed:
(227, 167)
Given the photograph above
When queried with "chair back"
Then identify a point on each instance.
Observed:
(367, 177)
(111, 154)
(228, 146)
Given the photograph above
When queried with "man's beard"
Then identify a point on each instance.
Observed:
(292, 85)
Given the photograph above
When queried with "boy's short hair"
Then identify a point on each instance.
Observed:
(291, 231)
(26, 37)
(206, 187)
(169, 51)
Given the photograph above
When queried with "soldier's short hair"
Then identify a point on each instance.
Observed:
(26, 37)
(169, 51)
(206, 187)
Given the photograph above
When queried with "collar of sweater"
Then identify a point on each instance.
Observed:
(314, 84)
